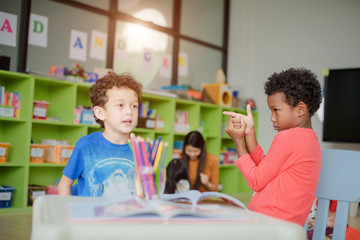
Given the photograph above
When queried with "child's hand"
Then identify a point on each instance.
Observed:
(236, 131)
(248, 119)
(204, 179)
(235, 118)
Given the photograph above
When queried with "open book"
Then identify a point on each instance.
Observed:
(136, 209)
(194, 197)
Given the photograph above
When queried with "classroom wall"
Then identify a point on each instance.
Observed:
(270, 36)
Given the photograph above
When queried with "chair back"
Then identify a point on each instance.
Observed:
(340, 181)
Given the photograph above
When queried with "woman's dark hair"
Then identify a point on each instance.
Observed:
(175, 171)
(195, 139)
(297, 84)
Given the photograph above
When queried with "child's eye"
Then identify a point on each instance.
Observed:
(134, 106)
(120, 105)
(276, 110)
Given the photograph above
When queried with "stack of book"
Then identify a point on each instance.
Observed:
(9, 103)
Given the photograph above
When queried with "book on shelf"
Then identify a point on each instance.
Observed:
(195, 197)
(131, 208)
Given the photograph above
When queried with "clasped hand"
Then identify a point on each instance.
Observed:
(239, 125)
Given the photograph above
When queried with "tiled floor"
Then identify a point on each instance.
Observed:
(18, 226)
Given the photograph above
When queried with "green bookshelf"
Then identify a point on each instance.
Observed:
(63, 97)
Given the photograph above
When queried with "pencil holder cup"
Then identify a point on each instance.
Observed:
(147, 183)
(131, 177)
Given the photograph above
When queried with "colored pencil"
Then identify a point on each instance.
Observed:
(148, 171)
(158, 155)
(141, 167)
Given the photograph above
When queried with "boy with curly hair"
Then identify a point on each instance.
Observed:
(286, 178)
(102, 161)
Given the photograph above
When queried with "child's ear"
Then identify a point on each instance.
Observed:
(301, 109)
(99, 113)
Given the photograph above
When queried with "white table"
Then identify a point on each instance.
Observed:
(49, 222)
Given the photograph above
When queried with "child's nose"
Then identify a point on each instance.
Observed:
(128, 109)
(272, 118)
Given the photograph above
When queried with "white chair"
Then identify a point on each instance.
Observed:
(340, 181)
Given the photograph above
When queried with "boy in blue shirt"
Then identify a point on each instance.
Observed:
(103, 161)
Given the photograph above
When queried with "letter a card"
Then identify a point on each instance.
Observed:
(8, 25)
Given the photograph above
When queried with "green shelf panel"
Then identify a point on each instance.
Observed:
(227, 142)
(226, 166)
(17, 133)
(213, 145)
(82, 95)
(11, 164)
(145, 134)
(23, 83)
(165, 108)
(193, 110)
(46, 165)
(92, 128)
(232, 180)
(15, 210)
(61, 96)
(179, 135)
(71, 132)
(15, 177)
(42, 175)
(9, 119)
(210, 117)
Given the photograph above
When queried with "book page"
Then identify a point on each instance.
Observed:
(194, 197)
(171, 210)
(190, 196)
(109, 209)
(136, 209)
(224, 197)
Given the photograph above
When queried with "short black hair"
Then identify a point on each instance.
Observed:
(175, 171)
(298, 84)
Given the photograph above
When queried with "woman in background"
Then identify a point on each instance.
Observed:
(203, 167)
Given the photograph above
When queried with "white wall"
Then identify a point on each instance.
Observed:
(270, 36)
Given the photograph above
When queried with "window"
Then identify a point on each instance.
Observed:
(165, 30)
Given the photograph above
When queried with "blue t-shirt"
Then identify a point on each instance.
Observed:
(101, 167)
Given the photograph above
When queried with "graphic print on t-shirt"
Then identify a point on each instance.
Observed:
(116, 175)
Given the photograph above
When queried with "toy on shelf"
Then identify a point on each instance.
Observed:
(57, 151)
(228, 156)
(37, 153)
(6, 194)
(250, 101)
(40, 109)
(4, 151)
(34, 192)
(84, 115)
(181, 124)
(147, 116)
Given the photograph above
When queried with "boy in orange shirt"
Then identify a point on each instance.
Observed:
(286, 178)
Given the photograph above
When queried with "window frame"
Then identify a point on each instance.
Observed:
(114, 15)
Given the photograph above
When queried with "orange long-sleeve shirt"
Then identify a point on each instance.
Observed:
(286, 178)
(211, 169)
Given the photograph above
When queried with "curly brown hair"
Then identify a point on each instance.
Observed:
(298, 84)
(98, 90)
